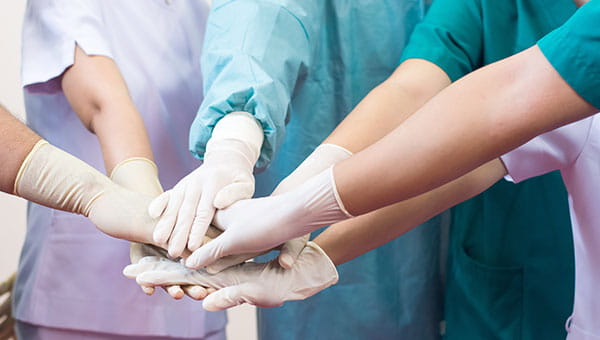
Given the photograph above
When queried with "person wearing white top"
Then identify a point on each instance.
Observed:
(69, 284)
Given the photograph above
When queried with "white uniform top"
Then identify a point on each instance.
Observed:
(70, 273)
(575, 151)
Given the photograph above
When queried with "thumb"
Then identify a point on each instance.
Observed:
(158, 205)
(225, 298)
(291, 250)
(208, 253)
(233, 193)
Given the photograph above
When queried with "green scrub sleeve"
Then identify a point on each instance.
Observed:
(254, 55)
(574, 51)
(450, 36)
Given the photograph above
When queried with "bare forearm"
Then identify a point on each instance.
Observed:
(389, 104)
(99, 96)
(348, 239)
(478, 118)
(16, 140)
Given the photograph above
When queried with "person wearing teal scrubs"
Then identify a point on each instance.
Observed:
(299, 67)
(511, 268)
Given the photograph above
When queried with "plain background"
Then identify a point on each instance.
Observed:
(242, 320)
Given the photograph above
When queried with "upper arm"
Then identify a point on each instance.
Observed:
(91, 83)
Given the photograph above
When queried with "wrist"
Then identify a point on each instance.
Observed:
(138, 174)
(237, 132)
(324, 156)
(316, 204)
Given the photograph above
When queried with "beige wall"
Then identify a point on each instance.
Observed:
(242, 323)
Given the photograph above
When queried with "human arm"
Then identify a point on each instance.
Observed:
(268, 285)
(460, 135)
(411, 85)
(99, 96)
(251, 67)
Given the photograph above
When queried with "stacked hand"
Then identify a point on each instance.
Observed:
(260, 284)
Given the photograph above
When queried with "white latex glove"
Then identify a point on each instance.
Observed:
(56, 179)
(7, 322)
(224, 178)
(324, 156)
(263, 223)
(260, 284)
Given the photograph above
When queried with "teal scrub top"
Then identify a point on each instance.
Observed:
(300, 66)
(511, 268)
(574, 51)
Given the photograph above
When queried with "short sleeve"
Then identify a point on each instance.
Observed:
(51, 29)
(450, 36)
(574, 51)
(554, 150)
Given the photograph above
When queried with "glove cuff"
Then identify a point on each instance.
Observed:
(138, 174)
(327, 263)
(237, 127)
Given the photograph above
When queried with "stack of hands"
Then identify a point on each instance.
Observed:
(131, 205)
(216, 267)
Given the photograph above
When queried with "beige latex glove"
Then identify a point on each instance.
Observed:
(225, 177)
(7, 321)
(140, 174)
(259, 284)
(324, 156)
(56, 179)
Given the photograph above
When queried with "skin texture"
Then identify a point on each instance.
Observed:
(17, 140)
(352, 238)
(455, 135)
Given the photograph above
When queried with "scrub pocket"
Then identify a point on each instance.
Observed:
(473, 287)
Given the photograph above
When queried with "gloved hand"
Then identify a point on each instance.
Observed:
(7, 321)
(324, 156)
(225, 177)
(260, 284)
(54, 178)
(140, 174)
(263, 223)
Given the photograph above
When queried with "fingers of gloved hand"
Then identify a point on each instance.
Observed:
(175, 291)
(236, 295)
(208, 253)
(147, 290)
(234, 192)
(164, 226)
(159, 204)
(195, 292)
(163, 278)
(186, 216)
(204, 215)
(291, 250)
(229, 261)
(144, 264)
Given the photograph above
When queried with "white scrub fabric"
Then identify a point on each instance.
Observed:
(70, 273)
(575, 151)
